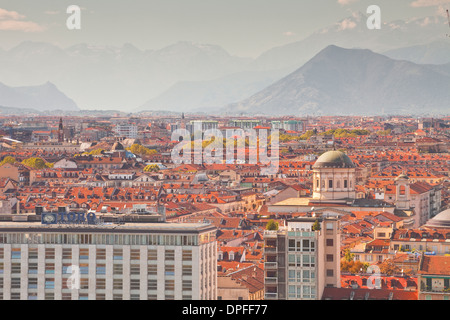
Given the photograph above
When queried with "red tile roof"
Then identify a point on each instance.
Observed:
(435, 265)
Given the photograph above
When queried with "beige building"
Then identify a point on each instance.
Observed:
(230, 289)
(299, 261)
(334, 177)
(434, 278)
(52, 146)
(243, 284)
(16, 171)
(433, 237)
(141, 261)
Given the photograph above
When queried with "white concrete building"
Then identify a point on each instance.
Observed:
(140, 261)
(129, 131)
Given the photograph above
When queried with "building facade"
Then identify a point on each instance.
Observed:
(129, 131)
(142, 261)
(334, 177)
(434, 278)
(300, 261)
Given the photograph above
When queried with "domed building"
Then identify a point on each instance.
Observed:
(334, 177)
(441, 220)
(334, 190)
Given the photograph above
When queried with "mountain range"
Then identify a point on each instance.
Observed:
(436, 52)
(44, 97)
(340, 81)
(104, 77)
(189, 76)
(352, 32)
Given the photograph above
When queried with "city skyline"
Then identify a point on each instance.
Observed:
(225, 150)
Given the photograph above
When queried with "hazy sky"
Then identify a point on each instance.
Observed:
(242, 27)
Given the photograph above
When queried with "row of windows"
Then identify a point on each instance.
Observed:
(444, 248)
(304, 245)
(304, 260)
(108, 239)
(98, 296)
(330, 184)
(100, 254)
(100, 269)
(301, 275)
(100, 284)
(302, 291)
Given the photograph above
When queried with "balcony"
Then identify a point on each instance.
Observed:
(302, 234)
(270, 280)
(270, 234)
(438, 290)
(270, 249)
(270, 265)
(271, 296)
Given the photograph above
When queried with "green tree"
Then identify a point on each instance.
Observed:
(141, 150)
(384, 132)
(353, 267)
(288, 137)
(348, 256)
(308, 134)
(316, 226)
(36, 163)
(96, 152)
(272, 225)
(8, 159)
(388, 267)
(151, 168)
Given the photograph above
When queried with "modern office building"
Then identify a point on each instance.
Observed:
(130, 261)
(288, 125)
(300, 260)
(293, 125)
(201, 125)
(129, 131)
(244, 124)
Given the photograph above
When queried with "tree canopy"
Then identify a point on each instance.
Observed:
(345, 133)
(353, 267)
(8, 159)
(151, 168)
(316, 226)
(141, 150)
(37, 163)
(272, 225)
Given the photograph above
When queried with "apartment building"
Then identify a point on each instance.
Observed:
(432, 237)
(301, 260)
(434, 278)
(132, 261)
(129, 131)
(201, 125)
(244, 123)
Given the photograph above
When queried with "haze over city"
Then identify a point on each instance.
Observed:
(236, 153)
(197, 55)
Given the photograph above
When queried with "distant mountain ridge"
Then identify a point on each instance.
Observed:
(115, 77)
(340, 81)
(197, 95)
(436, 52)
(352, 32)
(44, 97)
(128, 78)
